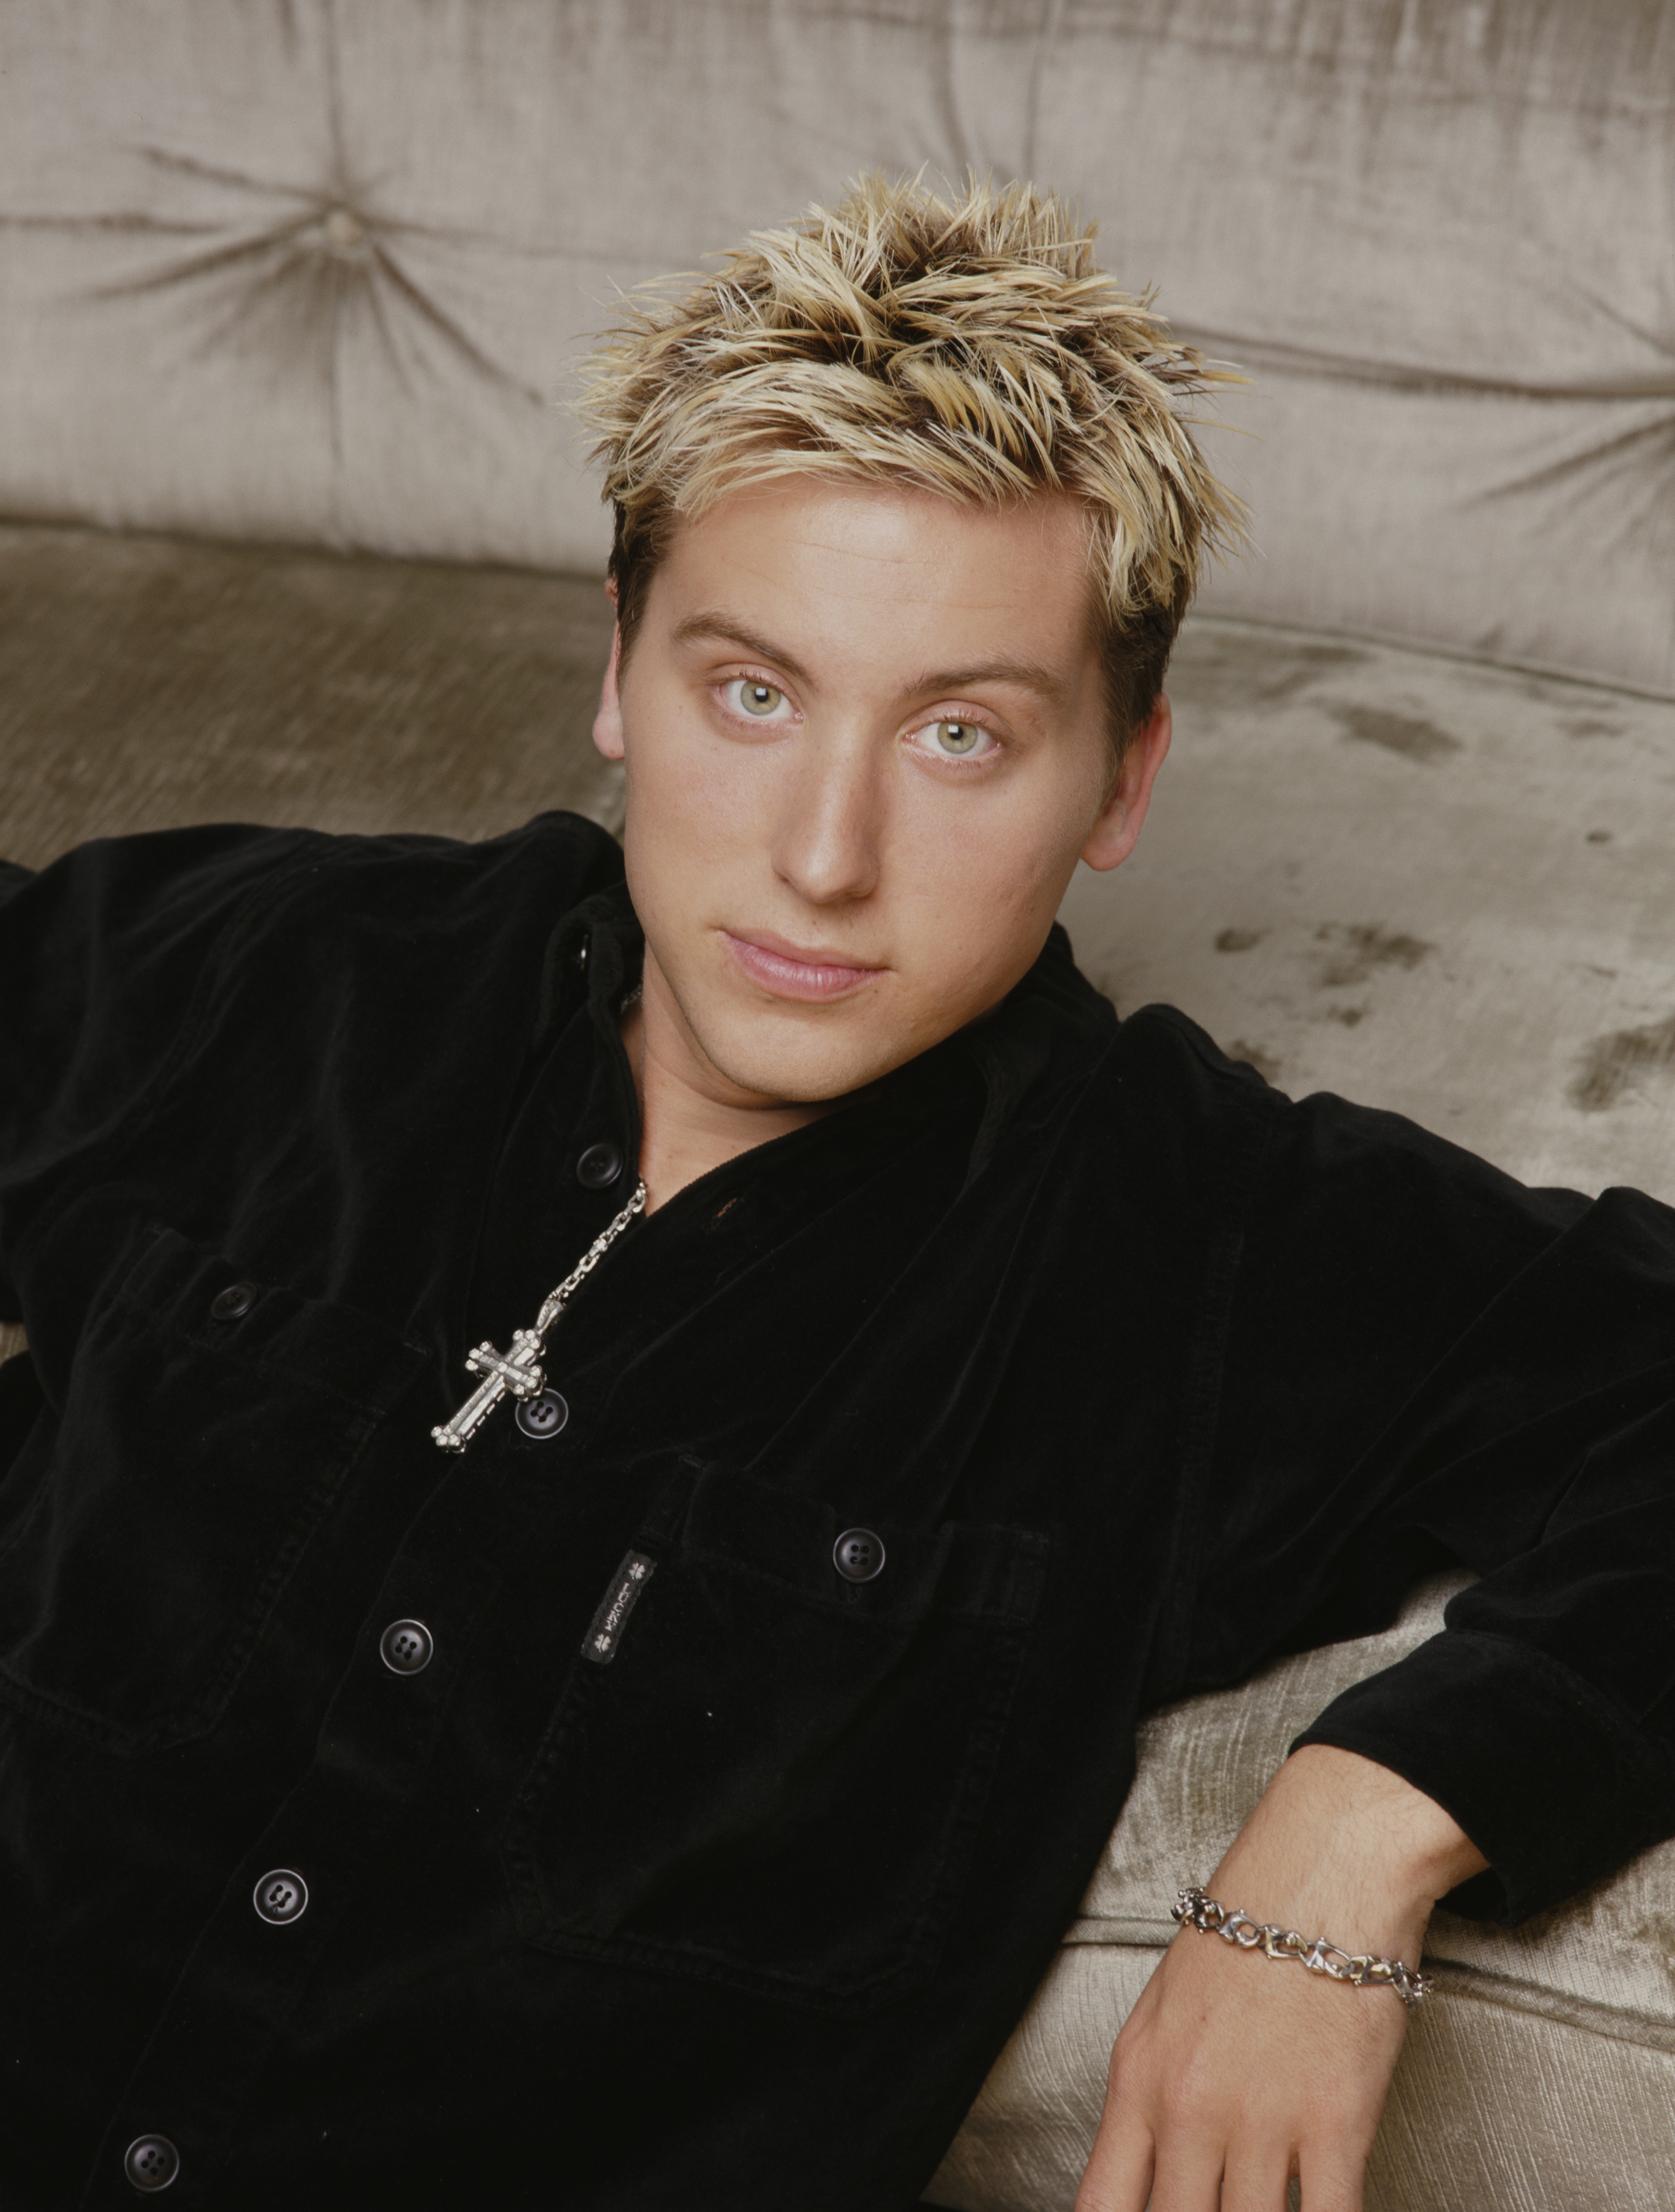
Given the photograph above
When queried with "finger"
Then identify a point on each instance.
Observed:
(1258, 2177)
(1188, 2174)
(1118, 2177)
(1331, 2179)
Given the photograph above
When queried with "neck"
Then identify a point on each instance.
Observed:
(691, 1118)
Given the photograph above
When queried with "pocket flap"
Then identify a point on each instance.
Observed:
(976, 1570)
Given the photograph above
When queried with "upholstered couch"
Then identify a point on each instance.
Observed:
(294, 532)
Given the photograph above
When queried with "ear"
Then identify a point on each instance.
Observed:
(608, 722)
(1113, 835)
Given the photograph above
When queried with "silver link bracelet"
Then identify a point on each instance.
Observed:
(1197, 1910)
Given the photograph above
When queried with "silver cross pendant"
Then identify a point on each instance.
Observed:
(516, 1374)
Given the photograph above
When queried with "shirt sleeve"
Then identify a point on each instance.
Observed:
(130, 955)
(102, 958)
(1427, 1362)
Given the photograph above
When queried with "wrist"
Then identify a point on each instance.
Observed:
(1341, 1841)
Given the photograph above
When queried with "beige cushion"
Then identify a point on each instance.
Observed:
(1424, 884)
(147, 682)
(1540, 2078)
(275, 269)
(1440, 238)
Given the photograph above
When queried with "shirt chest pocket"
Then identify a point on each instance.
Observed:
(776, 1777)
(148, 1531)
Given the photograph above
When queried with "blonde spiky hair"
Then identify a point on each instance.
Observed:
(971, 348)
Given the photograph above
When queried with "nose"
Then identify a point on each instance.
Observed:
(829, 839)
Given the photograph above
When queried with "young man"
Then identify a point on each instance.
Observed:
(607, 1462)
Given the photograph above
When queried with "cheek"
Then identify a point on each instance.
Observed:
(686, 790)
(987, 873)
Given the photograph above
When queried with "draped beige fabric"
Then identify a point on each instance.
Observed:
(295, 269)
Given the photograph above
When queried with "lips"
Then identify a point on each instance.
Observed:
(791, 971)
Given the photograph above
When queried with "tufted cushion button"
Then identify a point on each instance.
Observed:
(859, 1555)
(234, 1302)
(543, 1417)
(151, 2162)
(343, 231)
(599, 1166)
(406, 1647)
(281, 1897)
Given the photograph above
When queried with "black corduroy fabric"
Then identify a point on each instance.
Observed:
(1139, 1373)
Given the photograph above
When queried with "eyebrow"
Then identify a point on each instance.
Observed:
(761, 648)
(1030, 675)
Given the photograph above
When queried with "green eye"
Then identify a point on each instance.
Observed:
(759, 698)
(957, 737)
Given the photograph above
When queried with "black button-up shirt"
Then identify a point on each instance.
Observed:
(686, 1869)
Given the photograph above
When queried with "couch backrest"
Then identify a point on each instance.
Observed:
(294, 270)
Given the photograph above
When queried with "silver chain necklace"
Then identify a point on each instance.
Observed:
(518, 1373)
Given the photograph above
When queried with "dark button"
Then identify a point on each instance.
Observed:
(231, 1304)
(151, 2162)
(543, 1417)
(859, 1555)
(282, 1896)
(599, 1166)
(406, 1647)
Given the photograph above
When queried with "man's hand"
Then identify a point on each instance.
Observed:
(1234, 2071)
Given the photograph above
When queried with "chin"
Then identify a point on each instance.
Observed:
(798, 1069)
(800, 1080)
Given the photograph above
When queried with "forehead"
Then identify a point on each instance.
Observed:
(893, 569)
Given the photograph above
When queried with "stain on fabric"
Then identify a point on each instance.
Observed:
(1407, 734)
(1238, 941)
(1217, 669)
(1355, 949)
(1611, 1064)
(1350, 1017)
(1266, 1063)
(1598, 836)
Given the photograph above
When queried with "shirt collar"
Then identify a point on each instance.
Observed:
(1046, 1033)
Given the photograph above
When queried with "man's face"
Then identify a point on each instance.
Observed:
(865, 746)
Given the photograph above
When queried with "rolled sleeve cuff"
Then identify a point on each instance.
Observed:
(1554, 1784)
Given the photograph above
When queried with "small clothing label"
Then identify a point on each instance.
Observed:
(605, 1632)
